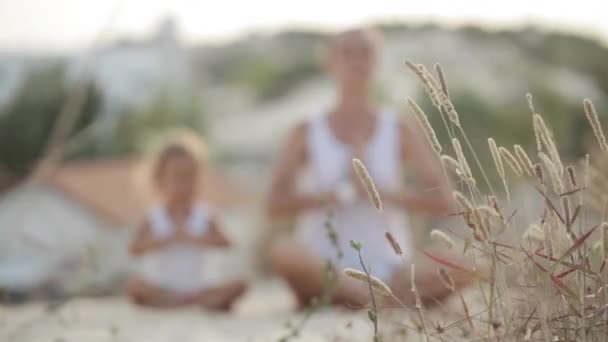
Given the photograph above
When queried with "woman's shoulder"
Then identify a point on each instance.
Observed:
(396, 116)
(303, 126)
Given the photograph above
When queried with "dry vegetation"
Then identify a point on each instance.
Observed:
(549, 283)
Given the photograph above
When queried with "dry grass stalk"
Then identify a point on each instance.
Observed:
(595, 124)
(511, 160)
(447, 105)
(393, 242)
(500, 169)
(530, 99)
(368, 183)
(414, 288)
(451, 163)
(538, 171)
(481, 225)
(419, 306)
(462, 201)
(566, 210)
(493, 201)
(426, 125)
(571, 176)
(446, 279)
(547, 139)
(427, 81)
(524, 160)
(558, 185)
(548, 233)
(496, 157)
(462, 160)
(604, 239)
(597, 246)
(437, 96)
(539, 144)
(586, 167)
(535, 232)
(376, 283)
(442, 80)
(488, 210)
(438, 235)
(431, 84)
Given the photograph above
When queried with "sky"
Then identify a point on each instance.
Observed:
(32, 25)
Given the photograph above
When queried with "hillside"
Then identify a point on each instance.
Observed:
(256, 87)
(246, 93)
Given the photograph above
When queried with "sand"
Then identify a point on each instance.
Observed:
(261, 315)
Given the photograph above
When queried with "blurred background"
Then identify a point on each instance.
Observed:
(86, 87)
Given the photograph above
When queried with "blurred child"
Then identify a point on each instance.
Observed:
(171, 240)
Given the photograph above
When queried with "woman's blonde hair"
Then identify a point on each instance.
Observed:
(327, 48)
(370, 33)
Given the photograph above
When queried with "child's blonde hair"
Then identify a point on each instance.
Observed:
(177, 143)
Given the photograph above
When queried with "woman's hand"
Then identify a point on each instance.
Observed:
(327, 199)
(394, 199)
(180, 234)
(430, 203)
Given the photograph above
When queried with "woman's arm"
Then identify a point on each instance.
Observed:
(283, 200)
(145, 241)
(416, 152)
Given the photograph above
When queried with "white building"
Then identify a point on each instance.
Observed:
(132, 72)
(129, 73)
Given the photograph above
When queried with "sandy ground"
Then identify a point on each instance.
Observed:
(261, 315)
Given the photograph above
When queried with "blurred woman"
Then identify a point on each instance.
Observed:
(314, 182)
(176, 232)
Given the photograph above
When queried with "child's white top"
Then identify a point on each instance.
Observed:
(178, 267)
(329, 169)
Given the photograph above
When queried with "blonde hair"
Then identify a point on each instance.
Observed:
(369, 33)
(176, 143)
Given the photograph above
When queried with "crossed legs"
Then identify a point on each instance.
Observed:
(219, 298)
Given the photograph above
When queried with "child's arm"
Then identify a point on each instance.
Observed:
(145, 242)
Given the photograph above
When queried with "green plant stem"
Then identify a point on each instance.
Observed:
(374, 308)
(481, 169)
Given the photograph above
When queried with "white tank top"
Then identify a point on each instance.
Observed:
(178, 267)
(328, 169)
